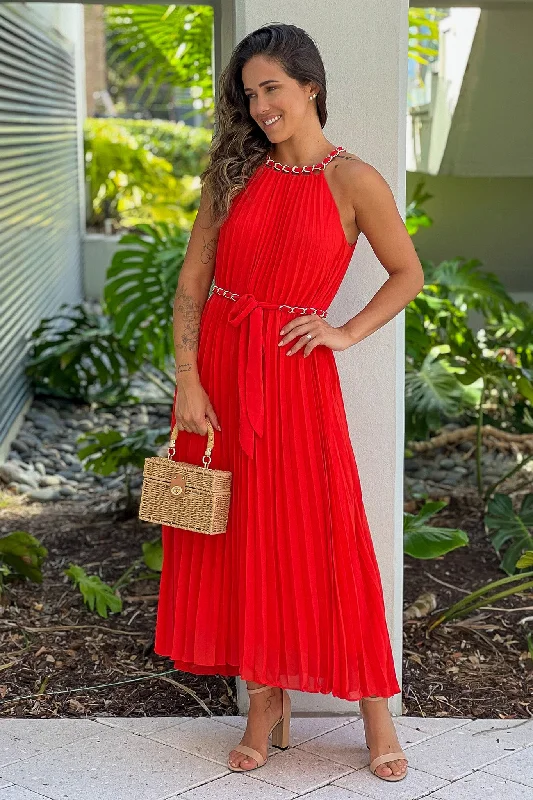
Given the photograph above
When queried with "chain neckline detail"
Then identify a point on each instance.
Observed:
(307, 168)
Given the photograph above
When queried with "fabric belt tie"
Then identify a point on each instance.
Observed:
(247, 314)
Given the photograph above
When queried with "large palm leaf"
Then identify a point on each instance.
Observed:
(424, 33)
(434, 389)
(140, 288)
(462, 282)
(165, 46)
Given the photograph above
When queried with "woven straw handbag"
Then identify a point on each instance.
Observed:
(186, 495)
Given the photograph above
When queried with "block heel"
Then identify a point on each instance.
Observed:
(279, 732)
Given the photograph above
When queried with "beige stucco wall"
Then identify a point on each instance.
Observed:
(366, 66)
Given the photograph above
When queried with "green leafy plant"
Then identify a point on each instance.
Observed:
(493, 376)
(424, 33)
(140, 288)
(490, 592)
(514, 528)
(92, 356)
(454, 374)
(461, 281)
(78, 355)
(166, 47)
(108, 451)
(433, 393)
(415, 215)
(427, 541)
(184, 147)
(95, 356)
(21, 556)
(153, 554)
(152, 557)
(99, 596)
(96, 594)
(130, 182)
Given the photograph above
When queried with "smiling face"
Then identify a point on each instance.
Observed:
(277, 103)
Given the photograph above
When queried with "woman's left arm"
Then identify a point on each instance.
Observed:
(378, 218)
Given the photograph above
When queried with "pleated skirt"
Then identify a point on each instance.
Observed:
(290, 595)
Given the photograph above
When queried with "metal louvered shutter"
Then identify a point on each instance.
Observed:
(40, 264)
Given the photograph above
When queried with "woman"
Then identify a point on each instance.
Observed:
(290, 596)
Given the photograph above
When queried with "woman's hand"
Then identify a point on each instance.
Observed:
(321, 331)
(192, 407)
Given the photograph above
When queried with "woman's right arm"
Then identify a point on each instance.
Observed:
(194, 282)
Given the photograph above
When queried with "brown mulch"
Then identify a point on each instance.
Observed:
(475, 666)
(51, 642)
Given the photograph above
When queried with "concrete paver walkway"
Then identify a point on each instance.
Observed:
(158, 758)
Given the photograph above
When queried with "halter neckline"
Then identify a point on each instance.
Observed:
(307, 168)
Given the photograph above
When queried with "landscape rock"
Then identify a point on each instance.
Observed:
(11, 472)
(52, 480)
(19, 488)
(44, 495)
(43, 461)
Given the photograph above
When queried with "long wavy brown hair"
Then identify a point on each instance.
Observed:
(239, 145)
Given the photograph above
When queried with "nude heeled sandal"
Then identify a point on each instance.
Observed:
(279, 732)
(385, 758)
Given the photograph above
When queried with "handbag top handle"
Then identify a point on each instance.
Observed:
(210, 442)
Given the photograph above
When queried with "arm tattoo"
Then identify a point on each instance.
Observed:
(183, 368)
(190, 310)
(208, 249)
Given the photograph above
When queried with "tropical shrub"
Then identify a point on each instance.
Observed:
(512, 528)
(107, 451)
(78, 355)
(429, 541)
(166, 48)
(140, 171)
(97, 595)
(91, 356)
(140, 288)
(102, 598)
(185, 147)
(490, 592)
(454, 374)
(21, 557)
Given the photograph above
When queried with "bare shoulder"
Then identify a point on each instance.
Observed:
(356, 173)
(349, 161)
(360, 180)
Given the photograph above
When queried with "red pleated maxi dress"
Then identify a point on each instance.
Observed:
(290, 595)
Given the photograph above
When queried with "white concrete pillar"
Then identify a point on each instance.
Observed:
(364, 48)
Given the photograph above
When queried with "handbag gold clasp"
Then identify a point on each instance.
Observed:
(177, 485)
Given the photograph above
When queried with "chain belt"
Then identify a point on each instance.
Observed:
(302, 309)
(248, 315)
